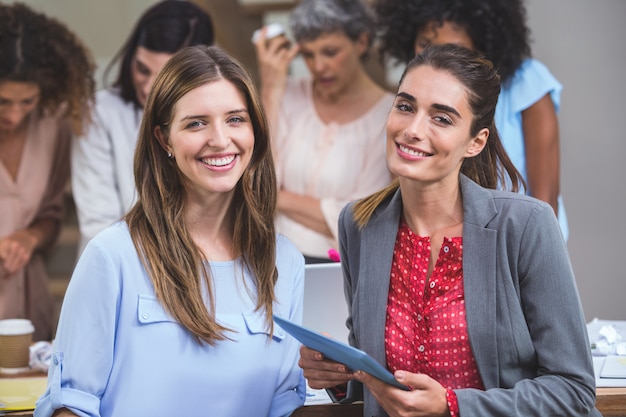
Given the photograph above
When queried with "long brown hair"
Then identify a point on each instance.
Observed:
(492, 167)
(174, 263)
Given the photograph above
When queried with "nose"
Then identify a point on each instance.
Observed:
(416, 128)
(218, 137)
(14, 116)
(147, 86)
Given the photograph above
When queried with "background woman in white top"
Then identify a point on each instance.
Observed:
(102, 161)
(328, 129)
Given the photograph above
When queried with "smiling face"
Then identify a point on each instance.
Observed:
(211, 138)
(17, 101)
(144, 68)
(428, 128)
(333, 59)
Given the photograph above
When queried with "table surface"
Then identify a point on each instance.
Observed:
(611, 402)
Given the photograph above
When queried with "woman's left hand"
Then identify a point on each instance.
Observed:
(426, 398)
(16, 250)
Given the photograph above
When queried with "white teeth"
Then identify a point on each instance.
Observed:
(219, 162)
(412, 152)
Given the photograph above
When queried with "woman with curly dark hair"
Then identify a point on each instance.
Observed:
(526, 116)
(46, 92)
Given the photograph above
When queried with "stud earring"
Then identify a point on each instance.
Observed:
(169, 155)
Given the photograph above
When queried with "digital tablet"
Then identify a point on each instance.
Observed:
(355, 359)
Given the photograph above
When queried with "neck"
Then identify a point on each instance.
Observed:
(429, 210)
(361, 84)
(210, 226)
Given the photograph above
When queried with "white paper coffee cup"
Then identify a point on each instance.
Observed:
(16, 335)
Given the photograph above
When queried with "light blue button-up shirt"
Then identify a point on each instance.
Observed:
(119, 353)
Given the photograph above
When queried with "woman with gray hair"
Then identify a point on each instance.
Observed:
(328, 127)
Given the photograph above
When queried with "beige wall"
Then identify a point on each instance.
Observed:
(581, 41)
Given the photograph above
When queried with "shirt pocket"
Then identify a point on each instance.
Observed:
(149, 310)
(256, 325)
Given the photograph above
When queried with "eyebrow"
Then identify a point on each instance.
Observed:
(442, 107)
(202, 116)
(23, 99)
(446, 108)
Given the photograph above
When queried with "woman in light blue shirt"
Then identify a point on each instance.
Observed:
(169, 312)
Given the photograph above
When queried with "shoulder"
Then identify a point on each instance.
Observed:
(286, 252)
(522, 212)
(383, 105)
(115, 240)
(110, 101)
(497, 208)
(531, 82)
(297, 91)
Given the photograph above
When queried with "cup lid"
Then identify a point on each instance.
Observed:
(12, 327)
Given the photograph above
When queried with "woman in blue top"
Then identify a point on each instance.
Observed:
(169, 311)
(526, 114)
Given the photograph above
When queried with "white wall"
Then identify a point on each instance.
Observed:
(102, 25)
(583, 42)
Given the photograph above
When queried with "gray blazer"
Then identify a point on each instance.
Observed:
(525, 321)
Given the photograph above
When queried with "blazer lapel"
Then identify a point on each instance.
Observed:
(479, 277)
(376, 256)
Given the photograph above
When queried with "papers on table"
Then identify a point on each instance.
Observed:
(17, 394)
(608, 346)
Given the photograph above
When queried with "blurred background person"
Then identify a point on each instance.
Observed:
(526, 115)
(328, 127)
(102, 180)
(46, 94)
(176, 301)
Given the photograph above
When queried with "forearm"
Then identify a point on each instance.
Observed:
(43, 233)
(303, 209)
(541, 142)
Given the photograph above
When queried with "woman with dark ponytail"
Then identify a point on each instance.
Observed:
(464, 292)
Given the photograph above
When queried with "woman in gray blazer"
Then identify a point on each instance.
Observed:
(466, 293)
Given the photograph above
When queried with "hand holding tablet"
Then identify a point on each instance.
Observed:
(353, 358)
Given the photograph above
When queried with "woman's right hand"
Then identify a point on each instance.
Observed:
(15, 252)
(273, 56)
(321, 372)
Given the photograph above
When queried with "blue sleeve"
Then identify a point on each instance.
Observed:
(530, 83)
(83, 348)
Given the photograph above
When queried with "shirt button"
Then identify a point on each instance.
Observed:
(421, 348)
(56, 361)
(446, 249)
(432, 284)
(144, 316)
(419, 317)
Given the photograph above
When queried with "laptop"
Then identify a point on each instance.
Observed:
(325, 308)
